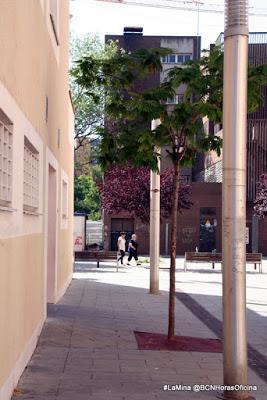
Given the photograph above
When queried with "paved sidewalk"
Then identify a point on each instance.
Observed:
(205, 286)
(87, 350)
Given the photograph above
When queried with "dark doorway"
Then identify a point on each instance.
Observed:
(207, 231)
(121, 225)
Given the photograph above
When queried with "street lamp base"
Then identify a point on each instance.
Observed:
(152, 291)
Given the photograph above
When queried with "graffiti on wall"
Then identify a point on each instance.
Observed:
(188, 234)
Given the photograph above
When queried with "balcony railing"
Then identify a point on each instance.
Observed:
(254, 38)
(213, 173)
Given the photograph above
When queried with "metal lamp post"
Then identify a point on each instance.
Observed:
(234, 196)
(154, 224)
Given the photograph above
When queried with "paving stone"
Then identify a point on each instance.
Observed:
(123, 377)
(88, 351)
(109, 396)
(35, 396)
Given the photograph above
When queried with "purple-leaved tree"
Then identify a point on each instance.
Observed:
(126, 188)
(260, 203)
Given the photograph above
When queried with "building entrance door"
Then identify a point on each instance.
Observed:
(207, 231)
(121, 225)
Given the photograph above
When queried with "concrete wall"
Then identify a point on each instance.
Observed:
(33, 74)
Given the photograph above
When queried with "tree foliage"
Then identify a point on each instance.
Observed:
(127, 189)
(127, 135)
(260, 203)
(86, 197)
(181, 128)
(88, 105)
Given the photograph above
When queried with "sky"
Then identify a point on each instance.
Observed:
(98, 17)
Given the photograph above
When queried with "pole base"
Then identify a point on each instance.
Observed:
(156, 292)
(223, 396)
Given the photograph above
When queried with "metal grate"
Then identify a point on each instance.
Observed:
(6, 147)
(212, 173)
(236, 13)
(256, 154)
(31, 177)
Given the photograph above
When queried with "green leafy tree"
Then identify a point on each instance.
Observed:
(86, 197)
(127, 134)
(89, 117)
(88, 104)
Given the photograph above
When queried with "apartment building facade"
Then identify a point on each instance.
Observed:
(201, 225)
(183, 48)
(256, 150)
(36, 174)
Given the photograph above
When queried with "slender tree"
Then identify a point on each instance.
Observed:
(127, 135)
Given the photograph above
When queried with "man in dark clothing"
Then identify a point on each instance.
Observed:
(132, 249)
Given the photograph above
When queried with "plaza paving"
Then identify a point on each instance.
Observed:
(88, 350)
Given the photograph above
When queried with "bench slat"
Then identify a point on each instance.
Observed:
(98, 255)
(255, 258)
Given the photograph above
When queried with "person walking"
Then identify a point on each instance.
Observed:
(121, 247)
(132, 249)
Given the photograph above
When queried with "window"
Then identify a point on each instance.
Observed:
(170, 58)
(54, 17)
(6, 149)
(178, 98)
(185, 179)
(176, 58)
(31, 177)
(164, 59)
(181, 58)
(217, 128)
(64, 200)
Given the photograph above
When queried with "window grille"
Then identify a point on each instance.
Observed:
(31, 177)
(6, 149)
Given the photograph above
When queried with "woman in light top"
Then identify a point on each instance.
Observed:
(121, 247)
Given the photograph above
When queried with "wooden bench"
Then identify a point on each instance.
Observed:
(251, 258)
(97, 255)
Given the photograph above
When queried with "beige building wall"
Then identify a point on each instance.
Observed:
(36, 109)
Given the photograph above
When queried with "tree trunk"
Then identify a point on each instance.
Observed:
(173, 250)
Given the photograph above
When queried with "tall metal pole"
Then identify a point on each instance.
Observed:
(234, 196)
(154, 224)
